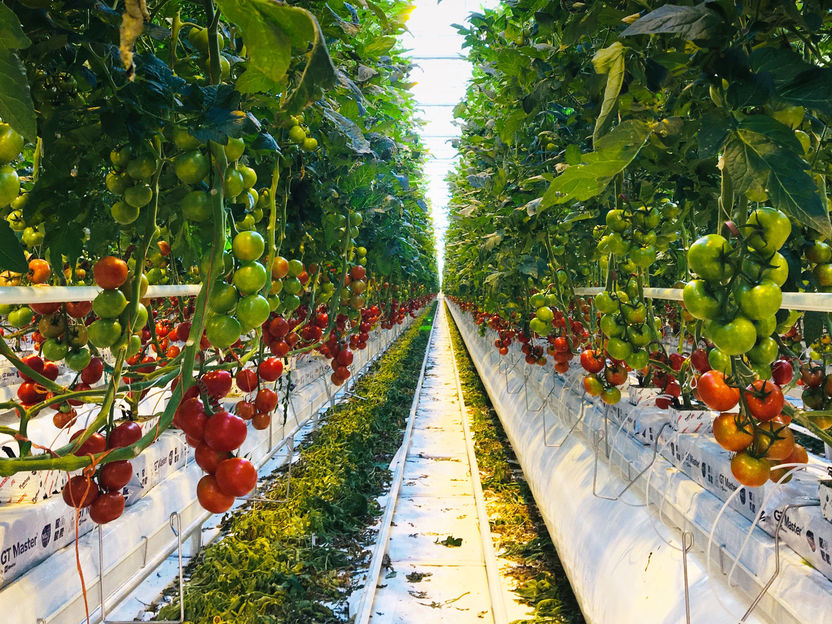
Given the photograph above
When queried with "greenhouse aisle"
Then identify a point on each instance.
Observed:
(438, 565)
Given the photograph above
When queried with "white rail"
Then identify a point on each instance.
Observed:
(19, 295)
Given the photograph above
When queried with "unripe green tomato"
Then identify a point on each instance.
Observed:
(310, 144)
(118, 182)
(297, 134)
(123, 213)
(33, 237)
(138, 195)
(120, 157)
(9, 185)
(11, 144)
(142, 167)
(184, 140)
(234, 149)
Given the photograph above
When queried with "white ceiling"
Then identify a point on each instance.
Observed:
(441, 80)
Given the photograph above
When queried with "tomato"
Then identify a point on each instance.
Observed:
(191, 418)
(63, 419)
(211, 497)
(272, 368)
(281, 348)
(592, 361)
(813, 398)
(730, 435)
(223, 330)
(250, 278)
(80, 492)
(615, 375)
(248, 246)
(715, 393)
(605, 303)
(767, 229)
(775, 269)
(611, 396)
(760, 301)
(50, 371)
(700, 301)
(764, 352)
(9, 185)
(750, 471)
(125, 434)
(39, 271)
(782, 372)
(236, 476)
(115, 475)
(104, 333)
(31, 393)
(217, 383)
(191, 167)
(110, 272)
(266, 400)
(253, 311)
(261, 421)
(611, 327)
(797, 456)
(21, 317)
(11, 143)
(774, 439)
(196, 206)
(618, 349)
(224, 431)
(54, 350)
(107, 507)
(78, 360)
(95, 444)
(592, 385)
(233, 183)
(708, 258)
(78, 309)
(812, 376)
(734, 337)
(223, 298)
(764, 399)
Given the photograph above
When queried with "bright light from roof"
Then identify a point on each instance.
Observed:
(441, 78)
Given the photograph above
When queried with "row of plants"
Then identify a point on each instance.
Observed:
(296, 560)
(628, 145)
(521, 537)
(263, 150)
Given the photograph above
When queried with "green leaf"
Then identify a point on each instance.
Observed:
(573, 154)
(795, 81)
(812, 326)
(751, 159)
(614, 151)
(12, 36)
(11, 251)
(356, 140)
(16, 107)
(272, 33)
(610, 61)
(692, 23)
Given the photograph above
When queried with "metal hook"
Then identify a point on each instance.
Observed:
(598, 434)
(685, 548)
(571, 429)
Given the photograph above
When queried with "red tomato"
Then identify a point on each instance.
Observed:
(208, 459)
(95, 444)
(592, 361)
(782, 372)
(79, 492)
(774, 439)
(730, 435)
(35, 363)
(270, 369)
(236, 476)
(261, 421)
(615, 375)
(699, 360)
(715, 393)
(266, 400)
(115, 475)
(192, 417)
(245, 410)
(125, 434)
(764, 399)
(93, 372)
(50, 370)
(246, 380)
(218, 383)
(225, 432)
(211, 497)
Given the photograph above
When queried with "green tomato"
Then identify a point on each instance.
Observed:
(638, 359)
(11, 143)
(618, 245)
(763, 371)
(639, 336)
(545, 314)
(250, 278)
(140, 320)
(734, 337)
(134, 345)
(9, 185)
(766, 230)
(120, 157)
(142, 167)
(765, 327)
(78, 360)
(538, 300)
(818, 252)
(118, 182)
(191, 167)
(760, 301)
(54, 349)
(233, 184)
(605, 303)
(248, 246)
(634, 314)
(719, 360)
(538, 327)
(223, 298)
(274, 300)
(616, 221)
(295, 267)
(708, 258)
(249, 177)
(643, 257)
(775, 270)
(196, 206)
(223, 330)
(104, 333)
(16, 221)
(184, 140)
(297, 134)
(291, 303)
(21, 317)
(109, 304)
(619, 349)
(234, 149)
(764, 352)
(309, 144)
(292, 285)
(252, 311)
(124, 213)
(699, 301)
(139, 195)
(823, 274)
(611, 327)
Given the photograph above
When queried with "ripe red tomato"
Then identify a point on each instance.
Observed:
(211, 497)
(261, 421)
(93, 372)
(50, 371)
(764, 399)
(592, 361)
(699, 361)
(245, 410)
(236, 476)
(182, 331)
(78, 492)
(729, 435)
(715, 393)
(35, 363)
(115, 475)
(266, 400)
(78, 309)
(615, 375)
(270, 369)
(225, 432)
(110, 272)
(125, 434)
(218, 383)
(278, 328)
(750, 471)
(95, 444)
(191, 417)
(208, 459)
(782, 372)
(344, 357)
(246, 380)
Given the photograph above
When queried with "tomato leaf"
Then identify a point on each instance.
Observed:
(610, 61)
(795, 81)
(753, 160)
(614, 151)
(16, 107)
(693, 23)
(12, 36)
(812, 326)
(11, 251)
(356, 140)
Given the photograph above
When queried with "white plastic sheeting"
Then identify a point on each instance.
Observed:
(623, 557)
